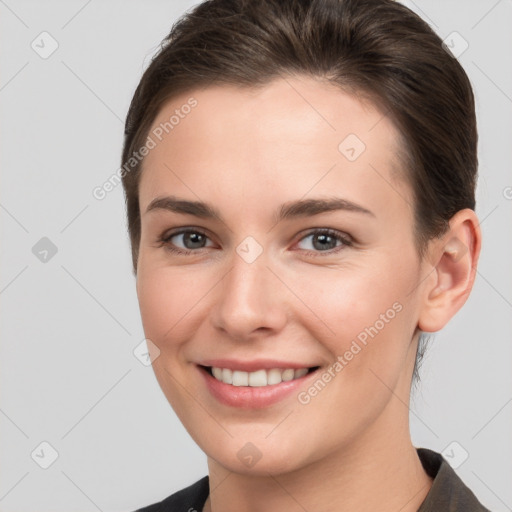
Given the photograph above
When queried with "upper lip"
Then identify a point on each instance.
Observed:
(255, 364)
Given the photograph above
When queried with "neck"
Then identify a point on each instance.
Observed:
(380, 470)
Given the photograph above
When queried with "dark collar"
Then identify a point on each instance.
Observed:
(448, 492)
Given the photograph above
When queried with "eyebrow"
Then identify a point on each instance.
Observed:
(292, 209)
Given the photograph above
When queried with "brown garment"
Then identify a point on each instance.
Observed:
(447, 494)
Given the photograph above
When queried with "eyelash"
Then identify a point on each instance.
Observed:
(163, 240)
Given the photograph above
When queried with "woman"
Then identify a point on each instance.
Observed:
(301, 210)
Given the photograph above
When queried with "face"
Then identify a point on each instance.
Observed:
(277, 276)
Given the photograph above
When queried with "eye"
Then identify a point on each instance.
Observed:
(324, 241)
(327, 241)
(192, 239)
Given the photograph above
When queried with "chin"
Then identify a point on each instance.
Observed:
(275, 465)
(259, 456)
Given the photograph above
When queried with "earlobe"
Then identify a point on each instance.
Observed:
(456, 256)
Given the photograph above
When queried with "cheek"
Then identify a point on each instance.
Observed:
(166, 301)
(370, 318)
(365, 314)
(165, 298)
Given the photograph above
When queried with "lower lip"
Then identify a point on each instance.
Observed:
(249, 397)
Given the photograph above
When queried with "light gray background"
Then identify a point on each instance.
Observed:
(70, 325)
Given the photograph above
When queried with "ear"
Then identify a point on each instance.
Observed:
(454, 257)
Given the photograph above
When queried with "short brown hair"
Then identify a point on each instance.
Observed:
(377, 48)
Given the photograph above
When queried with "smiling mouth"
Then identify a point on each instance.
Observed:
(258, 378)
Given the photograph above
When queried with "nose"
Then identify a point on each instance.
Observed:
(250, 300)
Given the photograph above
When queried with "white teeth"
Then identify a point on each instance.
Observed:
(274, 376)
(240, 378)
(258, 378)
(288, 374)
(227, 375)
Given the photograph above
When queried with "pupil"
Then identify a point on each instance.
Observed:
(195, 237)
(321, 237)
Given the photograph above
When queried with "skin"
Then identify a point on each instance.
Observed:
(246, 152)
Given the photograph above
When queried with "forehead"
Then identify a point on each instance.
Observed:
(287, 138)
